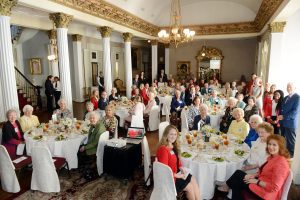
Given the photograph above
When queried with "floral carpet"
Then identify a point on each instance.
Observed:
(105, 188)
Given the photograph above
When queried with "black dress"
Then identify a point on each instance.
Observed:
(49, 91)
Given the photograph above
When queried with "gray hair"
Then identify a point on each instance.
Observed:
(12, 110)
(61, 100)
(94, 113)
(27, 108)
(232, 99)
(89, 104)
(256, 118)
(203, 106)
(238, 110)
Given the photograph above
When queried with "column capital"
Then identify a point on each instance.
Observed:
(105, 31)
(61, 20)
(127, 37)
(277, 27)
(52, 34)
(154, 42)
(167, 45)
(76, 37)
(6, 6)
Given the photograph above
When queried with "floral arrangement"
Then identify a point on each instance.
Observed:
(67, 122)
(85, 129)
(208, 130)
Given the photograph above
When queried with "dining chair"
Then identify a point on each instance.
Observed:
(147, 161)
(137, 121)
(286, 186)
(184, 121)
(154, 118)
(164, 185)
(100, 151)
(44, 176)
(161, 129)
(9, 180)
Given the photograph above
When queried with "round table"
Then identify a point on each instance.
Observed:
(67, 148)
(121, 110)
(207, 171)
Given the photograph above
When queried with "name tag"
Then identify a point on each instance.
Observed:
(172, 152)
(16, 129)
(180, 101)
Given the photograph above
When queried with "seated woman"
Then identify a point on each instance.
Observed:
(63, 112)
(150, 104)
(177, 104)
(227, 91)
(228, 117)
(103, 101)
(95, 98)
(12, 134)
(240, 103)
(114, 95)
(109, 120)
(214, 99)
(194, 111)
(137, 109)
(269, 181)
(254, 121)
(203, 118)
(28, 120)
(251, 108)
(168, 153)
(89, 108)
(88, 151)
(238, 127)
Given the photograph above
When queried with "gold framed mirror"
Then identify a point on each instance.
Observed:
(209, 63)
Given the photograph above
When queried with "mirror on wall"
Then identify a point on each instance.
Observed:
(209, 63)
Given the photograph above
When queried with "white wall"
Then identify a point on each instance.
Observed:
(239, 56)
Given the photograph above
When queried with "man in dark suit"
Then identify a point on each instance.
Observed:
(49, 91)
(205, 90)
(163, 76)
(100, 80)
(288, 117)
(136, 81)
(189, 97)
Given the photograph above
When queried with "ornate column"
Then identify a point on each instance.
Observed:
(167, 59)
(52, 50)
(128, 64)
(78, 67)
(105, 32)
(62, 22)
(275, 59)
(7, 72)
(154, 58)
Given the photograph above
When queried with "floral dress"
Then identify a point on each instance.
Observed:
(194, 111)
(110, 124)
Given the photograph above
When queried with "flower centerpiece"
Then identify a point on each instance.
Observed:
(67, 123)
(206, 130)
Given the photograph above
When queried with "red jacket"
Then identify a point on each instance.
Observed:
(94, 101)
(267, 106)
(274, 173)
(167, 156)
(144, 95)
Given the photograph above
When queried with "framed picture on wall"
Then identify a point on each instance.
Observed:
(183, 68)
(35, 65)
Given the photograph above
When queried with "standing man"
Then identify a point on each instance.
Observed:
(163, 76)
(289, 117)
(100, 80)
(49, 91)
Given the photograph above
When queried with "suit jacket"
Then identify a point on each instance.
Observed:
(189, 98)
(113, 98)
(49, 89)
(136, 82)
(274, 173)
(175, 104)
(102, 103)
(203, 91)
(290, 110)
(93, 138)
(197, 120)
(164, 77)
(10, 138)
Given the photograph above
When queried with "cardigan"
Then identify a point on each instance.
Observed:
(239, 129)
(93, 138)
(274, 173)
(29, 122)
(252, 136)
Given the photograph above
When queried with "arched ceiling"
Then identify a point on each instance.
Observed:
(193, 11)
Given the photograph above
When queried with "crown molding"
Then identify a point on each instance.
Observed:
(107, 11)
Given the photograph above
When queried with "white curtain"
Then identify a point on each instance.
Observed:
(107, 65)
(154, 61)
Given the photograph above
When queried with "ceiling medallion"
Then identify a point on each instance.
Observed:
(176, 33)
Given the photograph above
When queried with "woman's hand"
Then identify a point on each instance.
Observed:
(249, 176)
(179, 176)
(82, 149)
(251, 180)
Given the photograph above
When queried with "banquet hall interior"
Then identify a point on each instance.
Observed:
(90, 88)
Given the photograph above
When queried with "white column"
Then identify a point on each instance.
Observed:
(128, 64)
(62, 21)
(78, 68)
(167, 59)
(105, 33)
(7, 71)
(154, 58)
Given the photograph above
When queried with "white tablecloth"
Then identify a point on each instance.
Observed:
(207, 172)
(66, 148)
(122, 112)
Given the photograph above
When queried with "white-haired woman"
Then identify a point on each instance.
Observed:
(89, 108)
(214, 99)
(12, 134)
(203, 117)
(238, 127)
(28, 120)
(114, 95)
(254, 121)
(228, 117)
(63, 112)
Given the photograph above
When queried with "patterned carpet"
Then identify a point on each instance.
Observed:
(104, 188)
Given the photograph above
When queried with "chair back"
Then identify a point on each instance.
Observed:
(118, 83)
(286, 186)
(166, 105)
(154, 118)
(184, 121)
(164, 186)
(100, 151)
(116, 129)
(161, 129)
(147, 160)
(0, 135)
(9, 180)
(137, 121)
(44, 175)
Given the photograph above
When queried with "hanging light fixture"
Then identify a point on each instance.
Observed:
(176, 33)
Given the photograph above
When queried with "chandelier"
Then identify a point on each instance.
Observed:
(176, 33)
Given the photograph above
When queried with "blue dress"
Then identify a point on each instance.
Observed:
(252, 136)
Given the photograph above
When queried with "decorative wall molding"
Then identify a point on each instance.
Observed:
(277, 27)
(117, 15)
(6, 6)
(127, 37)
(105, 31)
(76, 37)
(61, 20)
